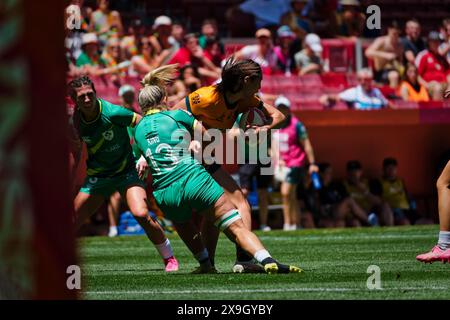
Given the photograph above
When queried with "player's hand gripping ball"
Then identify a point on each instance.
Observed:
(254, 125)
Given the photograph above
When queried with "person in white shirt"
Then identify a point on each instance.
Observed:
(362, 97)
(262, 53)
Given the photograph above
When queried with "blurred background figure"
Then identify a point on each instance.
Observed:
(129, 43)
(362, 97)
(188, 81)
(434, 70)
(412, 42)
(395, 194)
(263, 52)
(297, 20)
(308, 61)
(192, 54)
(105, 22)
(284, 51)
(350, 19)
(387, 55)
(147, 58)
(335, 207)
(410, 88)
(363, 193)
(90, 57)
(294, 158)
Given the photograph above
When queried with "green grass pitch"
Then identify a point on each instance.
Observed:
(335, 263)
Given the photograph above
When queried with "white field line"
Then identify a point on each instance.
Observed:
(126, 269)
(225, 291)
(305, 238)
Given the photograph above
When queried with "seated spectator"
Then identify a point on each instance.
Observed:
(105, 22)
(410, 88)
(214, 52)
(392, 90)
(178, 34)
(296, 21)
(412, 43)
(146, 60)
(358, 189)
(362, 97)
(444, 48)
(336, 207)
(191, 53)
(111, 54)
(434, 71)
(350, 20)
(162, 40)
(90, 57)
(262, 53)
(188, 81)
(283, 51)
(308, 60)
(210, 32)
(323, 14)
(387, 54)
(113, 60)
(129, 43)
(395, 194)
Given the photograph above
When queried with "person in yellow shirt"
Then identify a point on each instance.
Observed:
(366, 195)
(394, 192)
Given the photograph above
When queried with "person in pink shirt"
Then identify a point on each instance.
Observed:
(292, 152)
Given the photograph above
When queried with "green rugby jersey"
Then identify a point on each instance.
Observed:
(163, 138)
(107, 139)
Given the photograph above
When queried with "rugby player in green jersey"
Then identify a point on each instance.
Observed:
(181, 183)
(110, 163)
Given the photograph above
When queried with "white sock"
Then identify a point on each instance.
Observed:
(164, 249)
(286, 227)
(444, 240)
(262, 254)
(113, 231)
(293, 227)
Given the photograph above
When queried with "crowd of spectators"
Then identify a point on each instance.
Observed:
(288, 35)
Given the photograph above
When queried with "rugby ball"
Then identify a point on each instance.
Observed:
(253, 117)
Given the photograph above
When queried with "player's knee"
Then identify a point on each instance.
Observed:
(140, 212)
(443, 181)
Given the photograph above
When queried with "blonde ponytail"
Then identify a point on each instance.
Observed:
(154, 87)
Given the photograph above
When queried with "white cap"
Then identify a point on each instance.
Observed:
(162, 21)
(282, 100)
(89, 38)
(312, 40)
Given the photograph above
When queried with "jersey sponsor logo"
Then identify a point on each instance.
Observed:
(108, 135)
(195, 98)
